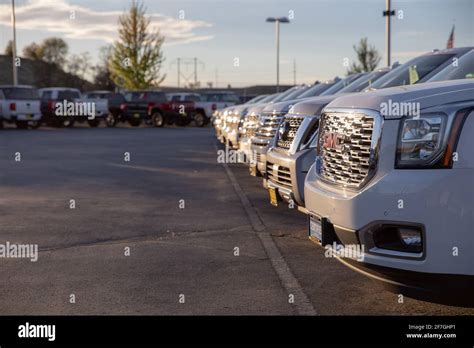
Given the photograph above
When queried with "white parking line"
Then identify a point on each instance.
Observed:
(290, 283)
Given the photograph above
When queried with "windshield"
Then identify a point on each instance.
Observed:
(342, 84)
(97, 95)
(295, 94)
(20, 93)
(284, 94)
(220, 97)
(256, 99)
(463, 69)
(412, 71)
(364, 82)
(316, 90)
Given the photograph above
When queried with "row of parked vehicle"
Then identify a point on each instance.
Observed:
(27, 106)
(381, 163)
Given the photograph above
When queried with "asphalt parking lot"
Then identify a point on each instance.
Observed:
(166, 232)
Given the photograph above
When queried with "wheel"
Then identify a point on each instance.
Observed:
(21, 124)
(111, 120)
(34, 124)
(157, 120)
(135, 122)
(93, 123)
(199, 119)
(68, 122)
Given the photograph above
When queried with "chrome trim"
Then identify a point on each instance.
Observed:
(374, 146)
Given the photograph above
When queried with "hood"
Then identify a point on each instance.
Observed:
(313, 106)
(283, 106)
(427, 95)
(240, 109)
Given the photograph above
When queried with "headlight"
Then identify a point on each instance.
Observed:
(421, 141)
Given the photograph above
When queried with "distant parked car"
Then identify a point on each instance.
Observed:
(62, 98)
(154, 108)
(20, 105)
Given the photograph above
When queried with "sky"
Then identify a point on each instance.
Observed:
(233, 43)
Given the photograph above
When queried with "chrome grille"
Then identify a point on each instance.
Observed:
(250, 126)
(269, 125)
(345, 151)
(279, 175)
(294, 123)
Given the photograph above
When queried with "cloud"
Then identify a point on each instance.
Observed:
(59, 17)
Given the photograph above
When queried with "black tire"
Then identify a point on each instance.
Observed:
(35, 124)
(158, 119)
(111, 120)
(135, 122)
(21, 124)
(94, 123)
(68, 122)
(1, 124)
(200, 119)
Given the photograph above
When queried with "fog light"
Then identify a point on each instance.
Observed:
(399, 238)
(411, 238)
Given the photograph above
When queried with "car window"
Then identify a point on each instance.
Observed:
(68, 95)
(47, 95)
(176, 98)
(342, 84)
(316, 90)
(463, 68)
(412, 71)
(20, 93)
(192, 97)
(364, 82)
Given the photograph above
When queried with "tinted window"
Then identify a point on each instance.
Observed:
(316, 90)
(341, 84)
(98, 95)
(412, 71)
(20, 93)
(176, 98)
(146, 96)
(284, 94)
(364, 82)
(220, 97)
(192, 97)
(463, 69)
(295, 94)
(68, 95)
(47, 95)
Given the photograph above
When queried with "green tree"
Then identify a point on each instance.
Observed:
(367, 56)
(137, 56)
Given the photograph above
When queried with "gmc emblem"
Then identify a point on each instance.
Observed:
(332, 140)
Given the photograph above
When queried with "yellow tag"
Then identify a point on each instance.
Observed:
(413, 75)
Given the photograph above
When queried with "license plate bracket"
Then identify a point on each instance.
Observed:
(315, 229)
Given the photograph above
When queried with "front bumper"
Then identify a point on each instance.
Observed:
(433, 199)
(23, 117)
(290, 188)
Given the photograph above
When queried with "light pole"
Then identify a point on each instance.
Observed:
(15, 75)
(277, 22)
(388, 13)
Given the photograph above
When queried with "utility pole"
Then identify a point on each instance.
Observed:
(388, 13)
(195, 73)
(15, 72)
(179, 72)
(217, 76)
(294, 72)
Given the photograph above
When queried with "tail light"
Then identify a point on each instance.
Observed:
(13, 106)
(123, 106)
(50, 104)
(150, 108)
(214, 107)
(165, 106)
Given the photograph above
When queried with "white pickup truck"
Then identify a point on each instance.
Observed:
(20, 105)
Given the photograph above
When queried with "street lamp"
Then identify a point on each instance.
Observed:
(15, 75)
(277, 22)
